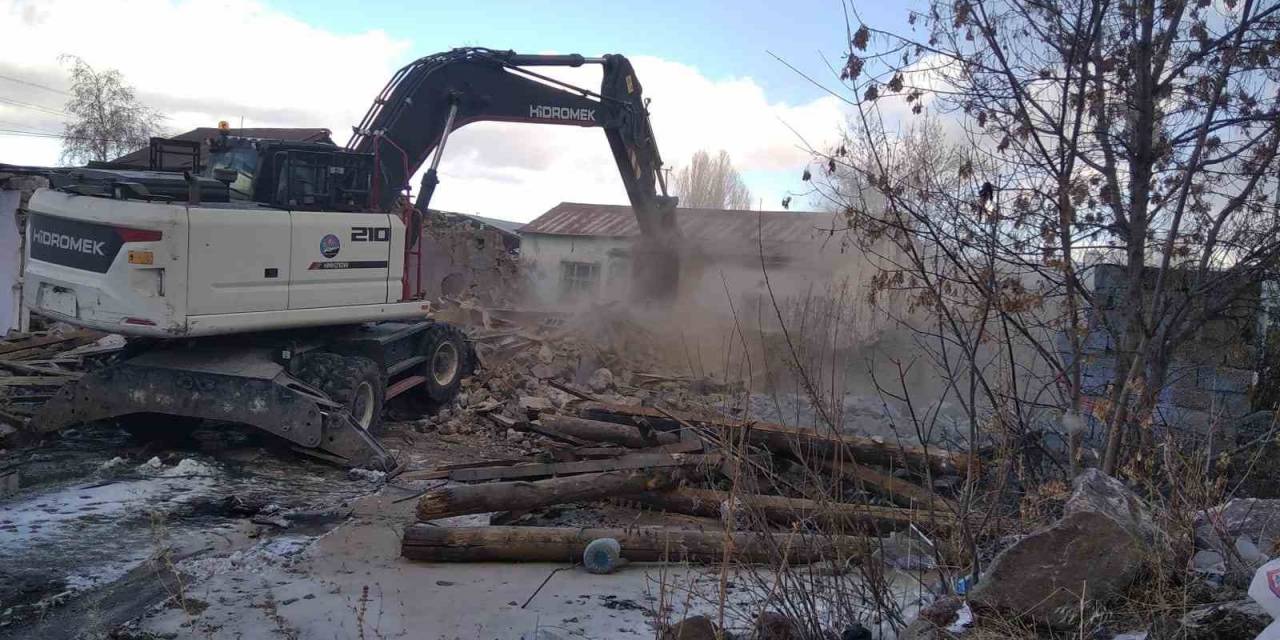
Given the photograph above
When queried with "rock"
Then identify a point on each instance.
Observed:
(772, 625)
(1256, 518)
(856, 632)
(546, 355)
(1095, 550)
(543, 371)
(601, 380)
(691, 628)
(1232, 619)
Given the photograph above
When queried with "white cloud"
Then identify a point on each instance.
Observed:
(205, 60)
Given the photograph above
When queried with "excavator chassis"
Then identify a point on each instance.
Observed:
(232, 384)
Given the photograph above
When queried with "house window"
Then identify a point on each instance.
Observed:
(579, 278)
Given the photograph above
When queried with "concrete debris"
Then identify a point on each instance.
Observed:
(1092, 553)
(188, 468)
(151, 466)
(601, 380)
(367, 475)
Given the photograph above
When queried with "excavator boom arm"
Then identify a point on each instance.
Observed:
(434, 95)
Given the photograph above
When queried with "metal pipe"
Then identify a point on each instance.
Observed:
(536, 60)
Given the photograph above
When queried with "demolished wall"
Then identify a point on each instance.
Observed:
(464, 258)
(15, 192)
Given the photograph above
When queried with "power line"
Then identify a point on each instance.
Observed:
(28, 127)
(33, 107)
(39, 134)
(32, 84)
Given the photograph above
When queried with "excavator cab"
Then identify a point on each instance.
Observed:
(303, 176)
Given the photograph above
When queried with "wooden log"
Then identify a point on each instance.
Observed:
(828, 516)
(802, 443)
(565, 544)
(902, 492)
(684, 446)
(537, 427)
(544, 469)
(597, 431)
(460, 500)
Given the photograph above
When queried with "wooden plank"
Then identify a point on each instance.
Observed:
(829, 516)
(15, 348)
(803, 444)
(21, 367)
(35, 380)
(543, 469)
(442, 472)
(657, 544)
(405, 384)
(519, 495)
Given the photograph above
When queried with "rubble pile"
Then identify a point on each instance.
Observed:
(34, 366)
(601, 422)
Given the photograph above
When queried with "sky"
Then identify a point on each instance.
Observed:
(708, 67)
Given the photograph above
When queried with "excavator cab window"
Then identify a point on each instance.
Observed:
(303, 177)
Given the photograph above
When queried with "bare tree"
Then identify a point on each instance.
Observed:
(1144, 133)
(108, 119)
(711, 183)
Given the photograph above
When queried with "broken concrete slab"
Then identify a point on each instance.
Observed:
(1091, 554)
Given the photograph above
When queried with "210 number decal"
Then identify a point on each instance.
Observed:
(370, 234)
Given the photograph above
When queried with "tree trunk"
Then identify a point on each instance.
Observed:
(523, 496)
(828, 516)
(901, 492)
(596, 431)
(801, 443)
(566, 544)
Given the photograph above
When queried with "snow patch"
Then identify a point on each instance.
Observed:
(188, 467)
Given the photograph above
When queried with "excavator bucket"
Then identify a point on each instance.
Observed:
(242, 385)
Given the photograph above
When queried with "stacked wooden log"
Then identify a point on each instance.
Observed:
(692, 465)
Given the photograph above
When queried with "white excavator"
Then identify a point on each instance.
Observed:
(271, 287)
